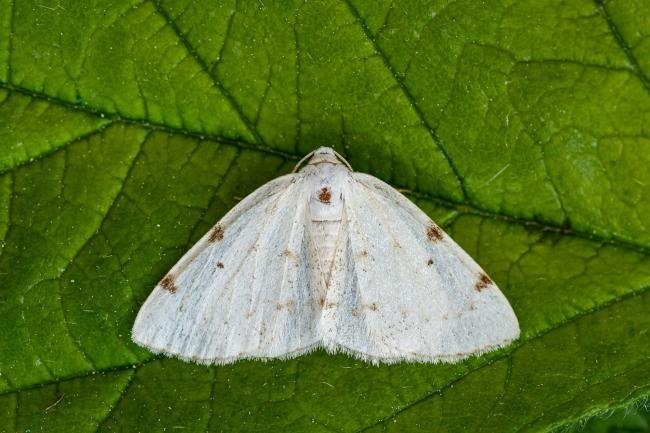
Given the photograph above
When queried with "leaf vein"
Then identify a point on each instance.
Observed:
(461, 207)
(585, 391)
(144, 123)
(57, 148)
(76, 343)
(120, 397)
(627, 50)
(517, 345)
(131, 366)
(206, 68)
(10, 39)
(215, 63)
(409, 96)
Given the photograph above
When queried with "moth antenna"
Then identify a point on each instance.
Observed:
(304, 158)
(343, 160)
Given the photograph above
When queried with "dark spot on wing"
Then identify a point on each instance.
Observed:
(482, 282)
(288, 253)
(321, 301)
(429, 262)
(434, 233)
(220, 265)
(168, 284)
(216, 234)
(372, 307)
(288, 305)
(325, 195)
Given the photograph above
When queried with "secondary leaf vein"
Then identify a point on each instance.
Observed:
(407, 93)
(206, 68)
(515, 346)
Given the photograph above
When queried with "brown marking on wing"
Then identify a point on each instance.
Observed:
(220, 265)
(434, 233)
(288, 305)
(168, 283)
(288, 253)
(325, 195)
(372, 307)
(321, 301)
(482, 282)
(216, 234)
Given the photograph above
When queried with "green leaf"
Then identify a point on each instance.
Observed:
(633, 419)
(128, 129)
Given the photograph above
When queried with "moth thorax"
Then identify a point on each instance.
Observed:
(326, 214)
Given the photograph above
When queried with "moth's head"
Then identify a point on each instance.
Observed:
(323, 155)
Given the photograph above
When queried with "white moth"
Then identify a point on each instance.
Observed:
(325, 257)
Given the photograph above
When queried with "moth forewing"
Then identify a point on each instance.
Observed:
(223, 309)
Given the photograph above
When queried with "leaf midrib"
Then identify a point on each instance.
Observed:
(262, 147)
(461, 207)
(114, 117)
(119, 118)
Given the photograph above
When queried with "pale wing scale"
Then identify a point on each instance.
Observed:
(247, 294)
(415, 298)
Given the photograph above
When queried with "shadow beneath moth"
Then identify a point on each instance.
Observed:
(328, 258)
